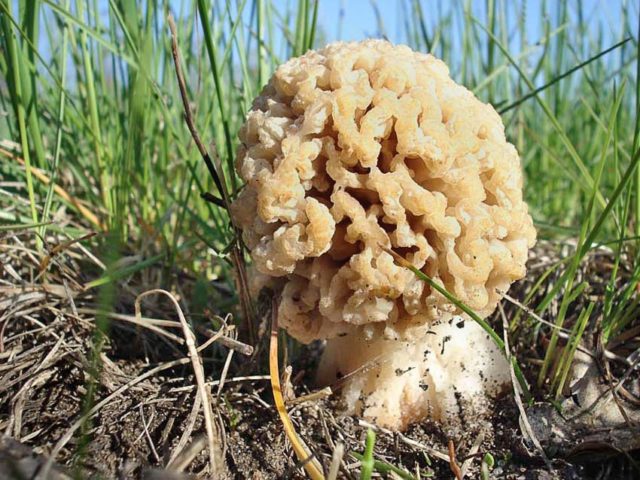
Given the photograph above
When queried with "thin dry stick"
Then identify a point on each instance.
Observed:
(214, 338)
(516, 391)
(198, 370)
(215, 383)
(225, 340)
(148, 323)
(310, 397)
(188, 454)
(219, 180)
(59, 248)
(531, 313)
(188, 116)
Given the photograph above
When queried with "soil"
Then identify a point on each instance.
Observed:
(51, 375)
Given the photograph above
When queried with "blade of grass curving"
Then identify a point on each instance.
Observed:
(525, 53)
(21, 226)
(454, 300)
(232, 31)
(386, 468)
(565, 74)
(115, 275)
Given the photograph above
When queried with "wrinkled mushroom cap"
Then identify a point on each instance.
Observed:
(363, 146)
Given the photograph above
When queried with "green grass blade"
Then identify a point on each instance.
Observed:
(555, 80)
(18, 103)
(473, 315)
(58, 148)
(367, 462)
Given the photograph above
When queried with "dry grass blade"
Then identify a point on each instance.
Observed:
(525, 425)
(466, 464)
(188, 454)
(198, 371)
(219, 180)
(413, 443)
(310, 397)
(62, 247)
(336, 459)
(311, 464)
(188, 116)
(61, 192)
(78, 423)
(225, 340)
(455, 468)
(177, 459)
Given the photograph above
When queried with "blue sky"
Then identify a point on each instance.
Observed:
(359, 19)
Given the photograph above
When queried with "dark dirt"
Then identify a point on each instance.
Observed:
(46, 356)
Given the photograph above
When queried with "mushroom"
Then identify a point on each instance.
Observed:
(360, 148)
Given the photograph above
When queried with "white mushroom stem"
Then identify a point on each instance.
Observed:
(439, 371)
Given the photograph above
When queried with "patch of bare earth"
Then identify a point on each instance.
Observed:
(133, 409)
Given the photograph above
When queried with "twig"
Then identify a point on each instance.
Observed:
(317, 395)
(198, 370)
(227, 341)
(219, 180)
(188, 116)
(215, 383)
(148, 323)
(59, 248)
(211, 198)
(188, 454)
(531, 313)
